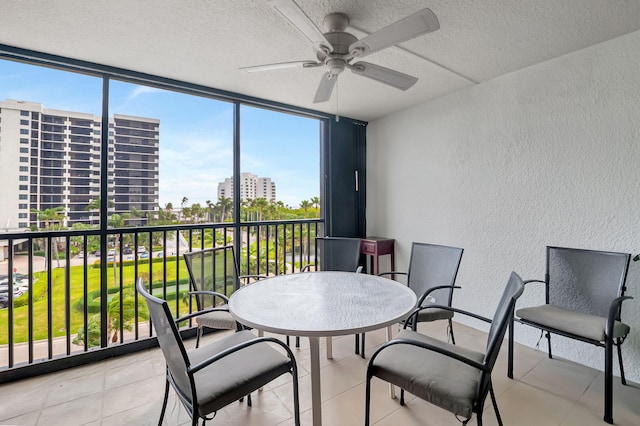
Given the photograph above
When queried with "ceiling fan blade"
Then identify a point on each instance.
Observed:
(325, 88)
(384, 75)
(421, 22)
(292, 12)
(269, 67)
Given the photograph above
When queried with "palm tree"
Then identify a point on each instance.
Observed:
(95, 205)
(117, 221)
(260, 205)
(210, 210)
(183, 203)
(196, 212)
(305, 205)
(225, 204)
(51, 217)
(315, 201)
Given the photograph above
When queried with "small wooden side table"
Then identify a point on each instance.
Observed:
(376, 247)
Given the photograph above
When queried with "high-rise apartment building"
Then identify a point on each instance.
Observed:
(51, 158)
(251, 187)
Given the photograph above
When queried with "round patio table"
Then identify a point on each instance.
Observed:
(321, 304)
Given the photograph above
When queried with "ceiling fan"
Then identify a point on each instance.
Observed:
(336, 49)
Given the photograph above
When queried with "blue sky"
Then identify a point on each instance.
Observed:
(196, 133)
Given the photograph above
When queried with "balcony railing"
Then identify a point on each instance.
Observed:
(70, 304)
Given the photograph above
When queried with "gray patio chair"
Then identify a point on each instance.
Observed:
(209, 378)
(335, 254)
(449, 376)
(213, 274)
(432, 275)
(584, 291)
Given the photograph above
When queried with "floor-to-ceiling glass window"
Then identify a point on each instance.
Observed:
(171, 160)
(279, 179)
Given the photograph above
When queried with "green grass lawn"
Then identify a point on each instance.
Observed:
(76, 290)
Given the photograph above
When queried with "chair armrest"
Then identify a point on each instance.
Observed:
(438, 287)
(198, 313)
(614, 308)
(358, 269)
(414, 314)
(393, 273)
(202, 364)
(209, 293)
(433, 348)
(306, 268)
(539, 282)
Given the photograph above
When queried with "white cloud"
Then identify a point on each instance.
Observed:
(141, 90)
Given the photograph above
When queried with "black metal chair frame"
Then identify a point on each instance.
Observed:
(423, 296)
(191, 404)
(355, 259)
(494, 342)
(199, 293)
(614, 314)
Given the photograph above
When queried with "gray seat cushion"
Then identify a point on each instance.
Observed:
(437, 378)
(237, 375)
(434, 314)
(217, 319)
(579, 324)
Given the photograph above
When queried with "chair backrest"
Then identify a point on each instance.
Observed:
(502, 315)
(338, 253)
(585, 280)
(499, 323)
(169, 340)
(433, 265)
(213, 269)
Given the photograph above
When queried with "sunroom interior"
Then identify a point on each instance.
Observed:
(522, 132)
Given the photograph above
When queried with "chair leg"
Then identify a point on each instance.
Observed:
(622, 378)
(510, 350)
(549, 344)
(296, 397)
(288, 341)
(198, 334)
(453, 338)
(608, 381)
(357, 344)
(362, 346)
(495, 405)
(164, 402)
(249, 400)
(367, 399)
(401, 396)
(297, 341)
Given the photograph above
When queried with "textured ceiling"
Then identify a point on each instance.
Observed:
(206, 41)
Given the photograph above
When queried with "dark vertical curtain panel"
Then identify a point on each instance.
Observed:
(344, 177)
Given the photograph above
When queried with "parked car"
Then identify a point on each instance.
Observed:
(142, 249)
(127, 250)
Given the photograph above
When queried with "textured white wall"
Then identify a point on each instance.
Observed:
(548, 155)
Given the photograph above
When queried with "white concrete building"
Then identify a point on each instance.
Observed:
(251, 187)
(51, 158)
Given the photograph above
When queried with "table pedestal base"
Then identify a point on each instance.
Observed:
(316, 402)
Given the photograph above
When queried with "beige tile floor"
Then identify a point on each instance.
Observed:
(128, 391)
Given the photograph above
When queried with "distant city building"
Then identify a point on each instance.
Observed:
(251, 187)
(51, 158)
